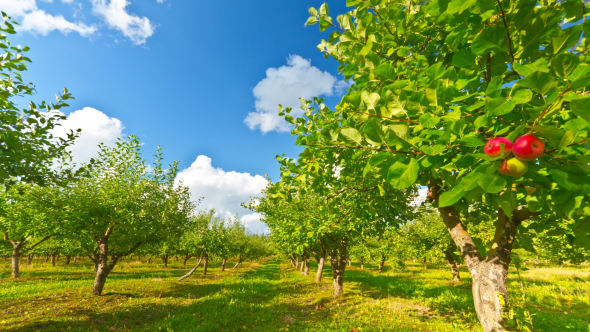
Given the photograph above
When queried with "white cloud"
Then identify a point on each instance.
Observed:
(224, 191)
(34, 20)
(96, 126)
(160, 1)
(113, 12)
(285, 85)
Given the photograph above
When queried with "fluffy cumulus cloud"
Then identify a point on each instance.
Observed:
(285, 85)
(224, 191)
(96, 126)
(35, 20)
(113, 12)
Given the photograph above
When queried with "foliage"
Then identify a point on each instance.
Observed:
(27, 146)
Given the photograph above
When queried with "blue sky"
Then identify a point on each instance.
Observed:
(184, 75)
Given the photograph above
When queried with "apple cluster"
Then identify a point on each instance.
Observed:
(525, 148)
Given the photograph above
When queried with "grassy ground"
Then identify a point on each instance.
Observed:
(273, 296)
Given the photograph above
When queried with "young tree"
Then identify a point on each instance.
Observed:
(123, 204)
(433, 81)
(26, 221)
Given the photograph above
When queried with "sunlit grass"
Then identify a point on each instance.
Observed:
(273, 296)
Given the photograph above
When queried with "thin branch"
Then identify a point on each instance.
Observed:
(507, 32)
(36, 244)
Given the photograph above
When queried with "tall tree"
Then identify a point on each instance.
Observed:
(433, 81)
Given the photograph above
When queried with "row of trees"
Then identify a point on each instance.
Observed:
(109, 208)
(432, 81)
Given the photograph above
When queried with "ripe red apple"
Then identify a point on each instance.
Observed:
(528, 148)
(514, 167)
(493, 147)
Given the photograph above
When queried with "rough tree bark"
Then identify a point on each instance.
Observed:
(453, 265)
(104, 268)
(205, 263)
(338, 257)
(489, 275)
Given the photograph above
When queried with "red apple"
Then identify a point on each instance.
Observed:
(528, 148)
(493, 147)
(514, 167)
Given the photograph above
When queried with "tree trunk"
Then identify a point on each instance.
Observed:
(296, 262)
(302, 264)
(453, 265)
(53, 258)
(104, 267)
(205, 263)
(15, 256)
(489, 276)
(382, 262)
(362, 263)
(68, 258)
(186, 258)
(149, 259)
(46, 258)
(191, 271)
(165, 260)
(29, 259)
(306, 267)
(75, 258)
(349, 262)
(223, 264)
(322, 261)
(238, 263)
(338, 261)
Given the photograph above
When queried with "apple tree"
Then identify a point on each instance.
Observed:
(124, 204)
(433, 81)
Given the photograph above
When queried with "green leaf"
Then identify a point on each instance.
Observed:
(371, 99)
(566, 140)
(428, 120)
(375, 160)
(312, 11)
(539, 82)
(492, 38)
(367, 48)
(311, 20)
(471, 141)
(565, 39)
(449, 198)
(564, 64)
(469, 182)
(351, 135)
(385, 71)
(522, 97)
(581, 108)
(402, 176)
(373, 133)
(500, 106)
(464, 59)
(507, 202)
(492, 183)
(324, 9)
(540, 65)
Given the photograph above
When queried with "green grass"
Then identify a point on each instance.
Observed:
(273, 296)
